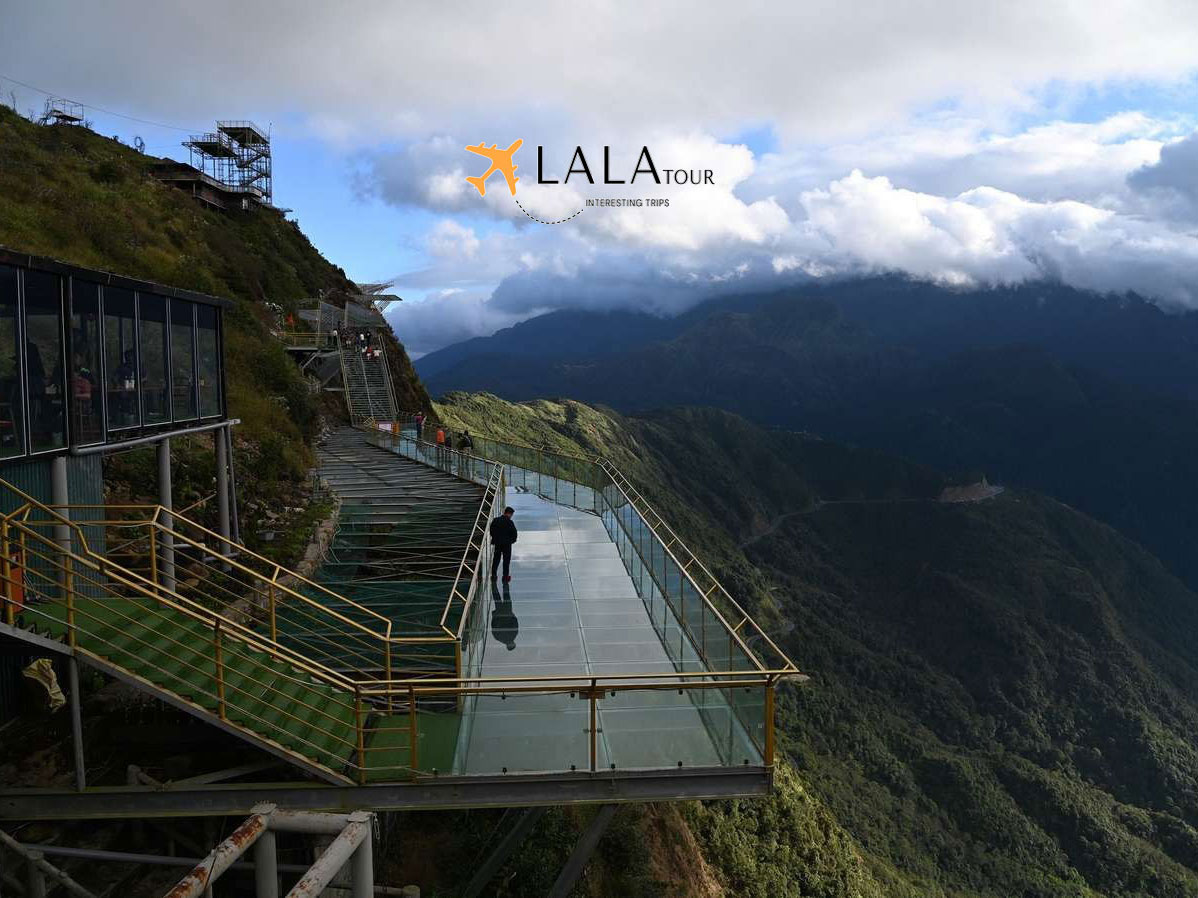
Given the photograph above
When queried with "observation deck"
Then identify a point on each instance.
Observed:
(613, 667)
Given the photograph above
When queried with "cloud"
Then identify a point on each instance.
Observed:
(450, 239)
(385, 70)
(444, 317)
(986, 236)
(1172, 181)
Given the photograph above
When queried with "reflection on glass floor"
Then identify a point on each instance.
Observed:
(572, 608)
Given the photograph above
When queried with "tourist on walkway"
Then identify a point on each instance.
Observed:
(503, 537)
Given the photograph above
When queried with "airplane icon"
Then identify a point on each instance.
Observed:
(501, 161)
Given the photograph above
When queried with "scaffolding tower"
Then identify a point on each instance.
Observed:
(58, 111)
(237, 154)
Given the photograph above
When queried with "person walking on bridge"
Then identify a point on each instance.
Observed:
(503, 537)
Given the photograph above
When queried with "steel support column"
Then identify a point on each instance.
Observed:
(228, 436)
(222, 489)
(266, 867)
(76, 722)
(166, 539)
(582, 852)
(60, 496)
(35, 879)
(514, 838)
(362, 862)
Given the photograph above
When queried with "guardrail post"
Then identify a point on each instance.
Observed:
(153, 554)
(594, 728)
(168, 521)
(10, 602)
(271, 603)
(218, 653)
(387, 667)
(413, 731)
(222, 494)
(361, 734)
(769, 724)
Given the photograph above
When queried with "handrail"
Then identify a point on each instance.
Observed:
(156, 520)
(625, 487)
(454, 459)
(156, 592)
(485, 512)
(644, 509)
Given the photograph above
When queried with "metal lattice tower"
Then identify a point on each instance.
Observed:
(237, 154)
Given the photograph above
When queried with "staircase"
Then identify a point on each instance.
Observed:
(225, 661)
(367, 380)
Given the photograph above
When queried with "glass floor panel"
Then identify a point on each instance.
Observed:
(571, 608)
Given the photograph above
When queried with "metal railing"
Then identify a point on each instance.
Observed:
(710, 649)
(211, 661)
(306, 339)
(368, 721)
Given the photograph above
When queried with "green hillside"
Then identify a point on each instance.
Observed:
(1003, 695)
(68, 193)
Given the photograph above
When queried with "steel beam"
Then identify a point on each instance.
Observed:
(582, 852)
(166, 539)
(335, 857)
(222, 491)
(153, 860)
(220, 859)
(431, 793)
(76, 722)
(507, 845)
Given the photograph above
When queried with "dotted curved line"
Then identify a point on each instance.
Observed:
(540, 221)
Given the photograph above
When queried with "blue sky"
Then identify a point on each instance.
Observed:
(962, 142)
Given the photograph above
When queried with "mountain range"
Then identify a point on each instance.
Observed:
(1090, 398)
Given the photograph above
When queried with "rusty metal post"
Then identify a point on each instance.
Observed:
(220, 859)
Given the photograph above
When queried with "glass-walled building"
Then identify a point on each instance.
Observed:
(89, 358)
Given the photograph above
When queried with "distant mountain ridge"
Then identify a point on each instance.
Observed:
(1003, 694)
(1090, 398)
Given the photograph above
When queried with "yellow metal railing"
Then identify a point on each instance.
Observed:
(373, 719)
(728, 657)
(304, 339)
(216, 573)
(106, 612)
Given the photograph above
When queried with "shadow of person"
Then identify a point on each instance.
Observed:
(504, 625)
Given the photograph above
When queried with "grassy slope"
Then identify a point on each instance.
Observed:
(74, 195)
(1003, 697)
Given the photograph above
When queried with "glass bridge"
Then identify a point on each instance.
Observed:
(608, 651)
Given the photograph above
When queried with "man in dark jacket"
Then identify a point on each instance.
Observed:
(503, 535)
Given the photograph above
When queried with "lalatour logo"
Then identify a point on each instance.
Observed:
(503, 162)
